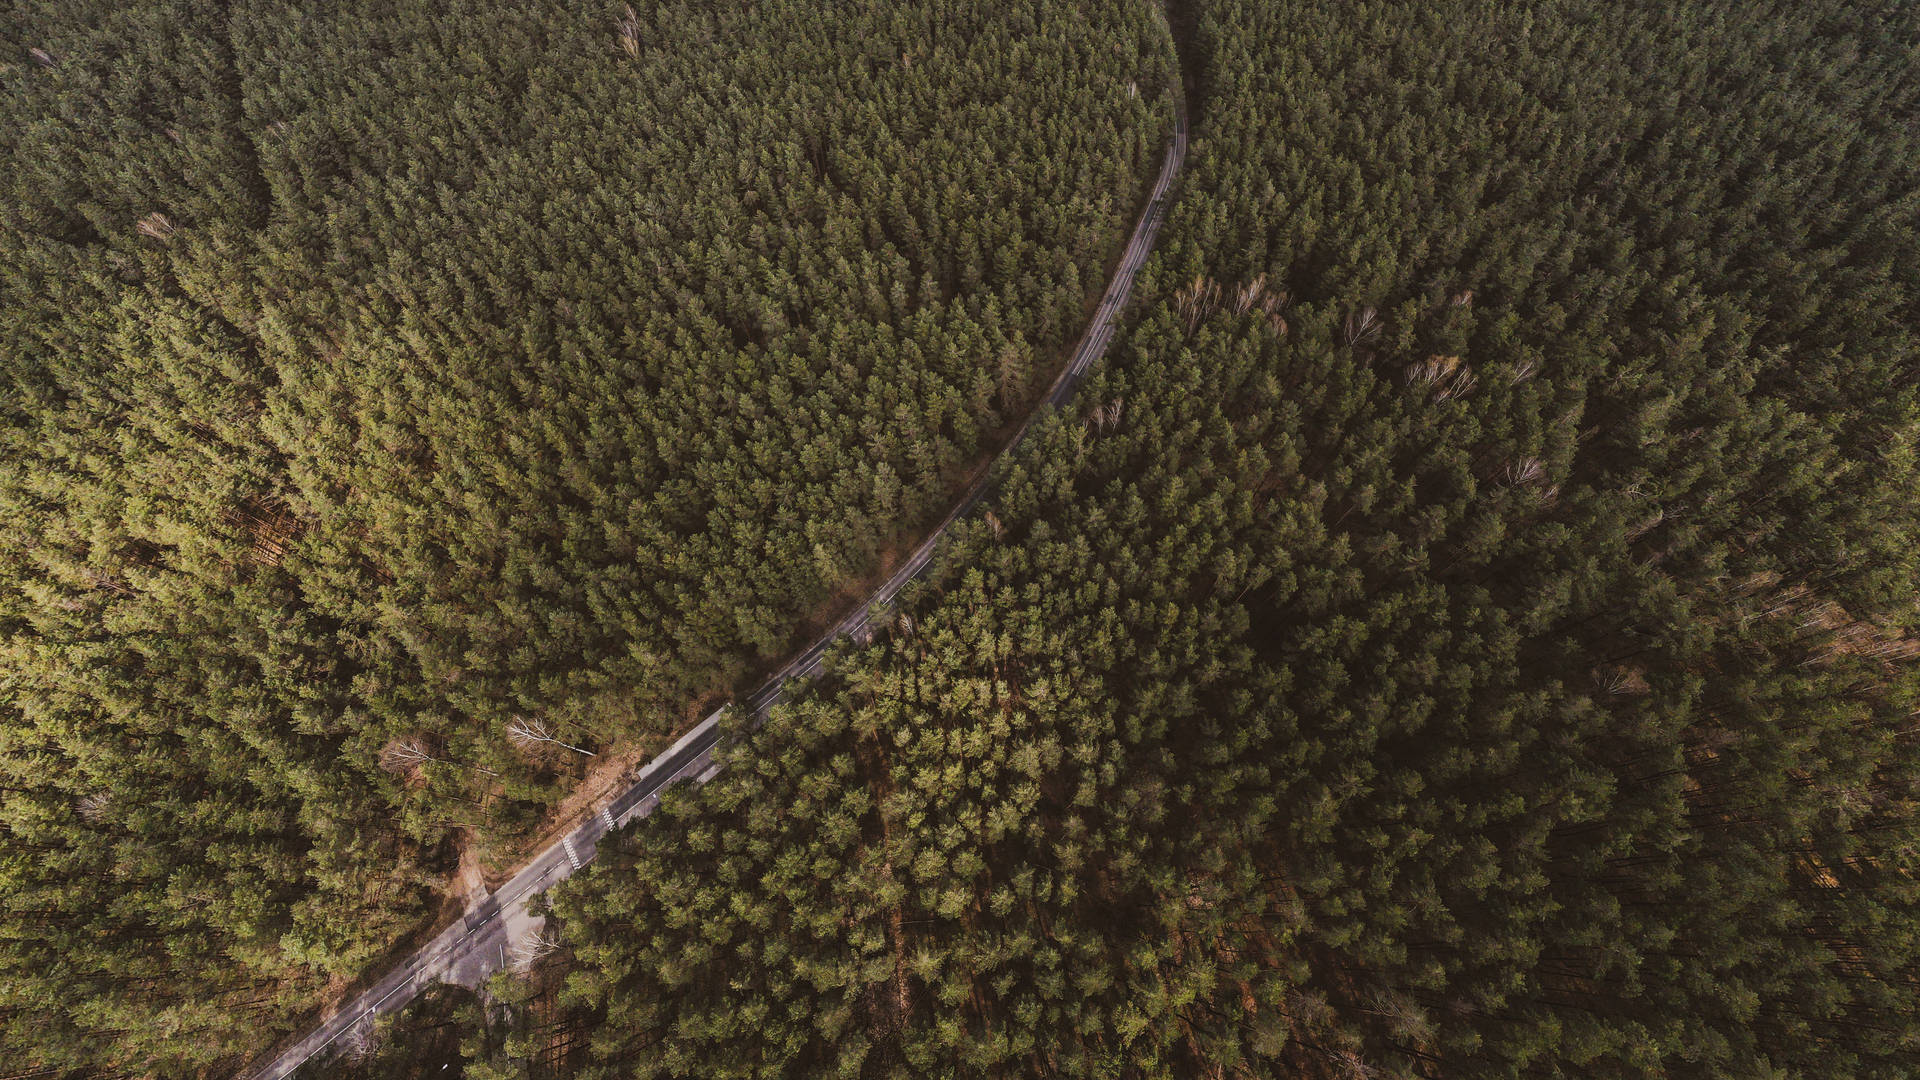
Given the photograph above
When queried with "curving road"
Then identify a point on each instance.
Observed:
(482, 942)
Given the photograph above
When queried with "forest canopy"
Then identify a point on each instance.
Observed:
(1466, 631)
(385, 376)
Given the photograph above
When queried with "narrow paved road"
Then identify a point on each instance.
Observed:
(483, 941)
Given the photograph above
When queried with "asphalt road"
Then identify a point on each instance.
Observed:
(482, 942)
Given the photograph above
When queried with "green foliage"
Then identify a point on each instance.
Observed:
(382, 373)
(450, 1033)
(425, 1041)
(1467, 632)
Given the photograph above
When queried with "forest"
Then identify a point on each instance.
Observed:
(1466, 631)
(1467, 628)
(387, 380)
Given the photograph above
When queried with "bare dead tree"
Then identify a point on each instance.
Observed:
(361, 1041)
(1525, 471)
(527, 733)
(1407, 1021)
(93, 806)
(530, 950)
(1444, 376)
(1103, 415)
(1362, 325)
(994, 524)
(1308, 1008)
(1197, 301)
(1353, 1066)
(1255, 296)
(156, 225)
(1622, 681)
(630, 32)
(405, 755)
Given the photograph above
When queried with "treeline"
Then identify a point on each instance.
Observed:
(1466, 631)
(385, 375)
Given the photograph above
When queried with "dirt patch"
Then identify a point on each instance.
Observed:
(471, 878)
